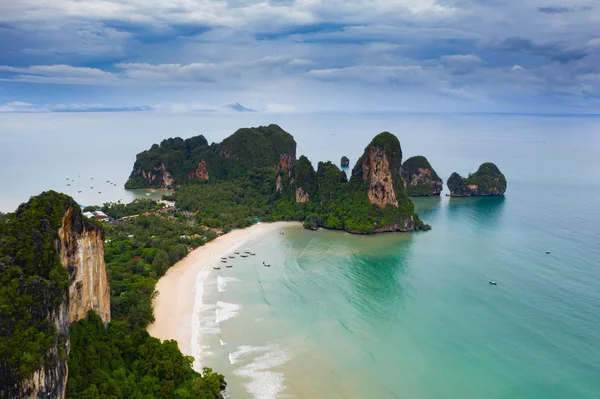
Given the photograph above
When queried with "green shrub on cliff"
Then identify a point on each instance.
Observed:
(488, 179)
(253, 178)
(33, 283)
(236, 156)
(118, 362)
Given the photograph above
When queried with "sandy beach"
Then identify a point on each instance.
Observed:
(178, 289)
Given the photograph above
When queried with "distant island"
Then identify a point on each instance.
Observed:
(487, 181)
(420, 178)
(345, 162)
(254, 173)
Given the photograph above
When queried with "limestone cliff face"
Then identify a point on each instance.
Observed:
(380, 176)
(420, 178)
(81, 250)
(286, 161)
(377, 175)
(82, 254)
(487, 181)
(201, 172)
(49, 381)
(303, 179)
(301, 195)
(158, 177)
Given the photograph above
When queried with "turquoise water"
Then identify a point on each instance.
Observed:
(395, 315)
(413, 315)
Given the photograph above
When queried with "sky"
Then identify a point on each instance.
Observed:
(300, 56)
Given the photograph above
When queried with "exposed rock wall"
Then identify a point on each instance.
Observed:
(420, 179)
(158, 177)
(201, 172)
(81, 250)
(301, 195)
(377, 171)
(82, 253)
(487, 181)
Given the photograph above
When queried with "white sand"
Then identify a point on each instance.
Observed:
(174, 305)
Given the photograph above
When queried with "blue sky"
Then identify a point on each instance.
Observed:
(182, 56)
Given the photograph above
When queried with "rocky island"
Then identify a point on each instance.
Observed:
(487, 181)
(261, 163)
(420, 178)
(345, 162)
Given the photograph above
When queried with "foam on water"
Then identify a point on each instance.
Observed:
(225, 311)
(264, 383)
(196, 321)
(223, 281)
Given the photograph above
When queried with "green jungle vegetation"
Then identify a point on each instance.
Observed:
(32, 283)
(488, 179)
(485, 178)
(246, 150)
(123, 360)
(247, 183)
(410, 167)
(120, 360)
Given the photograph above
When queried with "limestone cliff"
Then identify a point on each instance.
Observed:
(487, 181)
(69, 274)
(378, 173)
(380, 168)
(176, 162)
(158, 176)
(301, 195)
(304, 179)
(420, 178)
(81, 251)
(201, 172)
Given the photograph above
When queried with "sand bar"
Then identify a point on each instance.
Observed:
(174, 305)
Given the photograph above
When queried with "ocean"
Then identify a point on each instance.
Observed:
(393, 315)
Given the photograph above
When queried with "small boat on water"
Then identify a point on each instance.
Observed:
(244, 256)
(252, 253)
(231, 257)
(266, 265)
(223, 261)
(493, 283)
(235, 252)
(229, 266)
(547, 252)
(247, 251)
(79, 191)
(217, 267)
(281, 233)
(68, 184)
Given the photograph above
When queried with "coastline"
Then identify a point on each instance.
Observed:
(180, 289)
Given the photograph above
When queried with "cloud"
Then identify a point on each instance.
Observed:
(554, 51)
(55, 74)
(378, 73)
(296, 54)
(563, 9)
(239, 108)
(25, 107)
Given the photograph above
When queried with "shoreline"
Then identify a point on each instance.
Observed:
(180, 290)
